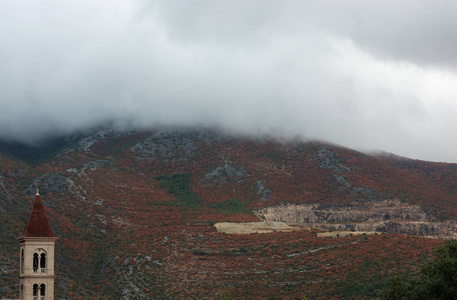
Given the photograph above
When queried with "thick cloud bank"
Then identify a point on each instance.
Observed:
(368, 75)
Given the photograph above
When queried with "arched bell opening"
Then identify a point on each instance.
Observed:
(22, 261)
(35, 263)
(42, 291)
(43, 262)
(35, 291)
(39, 291)
(39, 261)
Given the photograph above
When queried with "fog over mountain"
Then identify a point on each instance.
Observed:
(367, 75)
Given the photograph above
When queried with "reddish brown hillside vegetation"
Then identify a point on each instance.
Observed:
(134, 212)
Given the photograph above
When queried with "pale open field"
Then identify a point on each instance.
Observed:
(270, 226)
(253, 227)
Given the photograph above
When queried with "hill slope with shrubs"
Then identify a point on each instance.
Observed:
(135, 210)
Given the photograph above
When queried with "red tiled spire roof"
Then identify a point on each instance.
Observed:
(38, 225)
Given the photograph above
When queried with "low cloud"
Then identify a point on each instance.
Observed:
(364, 75)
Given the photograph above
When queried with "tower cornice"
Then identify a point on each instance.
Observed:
(38, 239)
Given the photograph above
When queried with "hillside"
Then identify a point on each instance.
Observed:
(137, 209)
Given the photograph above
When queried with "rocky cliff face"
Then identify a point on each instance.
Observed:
(389, 215)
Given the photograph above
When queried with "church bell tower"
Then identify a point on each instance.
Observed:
(36, 275)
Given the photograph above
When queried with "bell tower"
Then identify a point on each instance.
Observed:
(36, 275)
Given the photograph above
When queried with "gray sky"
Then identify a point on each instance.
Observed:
(363, 74)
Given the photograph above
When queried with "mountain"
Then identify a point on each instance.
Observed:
(135, 212)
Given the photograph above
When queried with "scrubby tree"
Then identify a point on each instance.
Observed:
(437, 278)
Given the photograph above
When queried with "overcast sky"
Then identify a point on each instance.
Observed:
(363, 74)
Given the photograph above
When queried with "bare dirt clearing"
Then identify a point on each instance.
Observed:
(270, 226)
(253, 227)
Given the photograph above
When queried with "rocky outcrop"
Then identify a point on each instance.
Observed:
(163, 144)
(173, 144)
(329, 160)
(56, 183)
(84, 141)
(224, 173)
(90, 166)
(262, 190)
(446, 229)
(389, 215)
(50, 183)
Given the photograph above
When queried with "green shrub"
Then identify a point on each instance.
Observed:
(178, 185)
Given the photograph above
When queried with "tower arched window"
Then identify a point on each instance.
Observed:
(39, 261)
(39, 291)
(42, 291)
(35, 262)
(35, 291)
(22, 261)
(43, 262)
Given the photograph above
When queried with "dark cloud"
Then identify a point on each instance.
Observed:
(362, 74)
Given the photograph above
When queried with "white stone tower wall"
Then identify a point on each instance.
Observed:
(27, 276)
